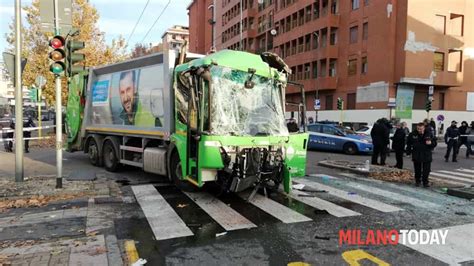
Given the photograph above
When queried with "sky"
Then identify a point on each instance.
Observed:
(118, 17)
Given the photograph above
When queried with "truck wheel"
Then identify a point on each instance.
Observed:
(111, 162)
(350, 148)
(176, 174)
(93, 152)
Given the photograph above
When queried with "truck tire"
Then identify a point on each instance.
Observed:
(111, 162)
(176, 174)
(93, 152)
(350, 148)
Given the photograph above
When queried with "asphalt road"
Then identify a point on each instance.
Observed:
(280, 230)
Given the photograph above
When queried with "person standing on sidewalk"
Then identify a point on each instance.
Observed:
(419, 145)
(27, 133)
(380, 138)
(451, 139)
(463, 132)
(398, 144)
(470, 139)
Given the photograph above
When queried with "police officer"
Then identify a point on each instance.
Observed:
(451, 139)
(26, 133)
(464, 130)
(419, 145)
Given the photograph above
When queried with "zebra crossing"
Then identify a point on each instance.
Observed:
(457, 177)
(340, 197)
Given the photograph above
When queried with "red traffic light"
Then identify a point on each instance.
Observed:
(57, 42)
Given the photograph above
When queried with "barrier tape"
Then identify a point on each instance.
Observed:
(33, 138)
(8, 130)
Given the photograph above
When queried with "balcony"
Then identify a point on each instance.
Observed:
(448, 78)
(321, 84)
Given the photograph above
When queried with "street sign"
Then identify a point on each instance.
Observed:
(440, 118)
(317, 104)
(9, 60)
(64, 16)
(392, 102)
(430, 90)
(40, 81)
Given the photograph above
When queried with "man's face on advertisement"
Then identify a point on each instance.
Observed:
(127, 90)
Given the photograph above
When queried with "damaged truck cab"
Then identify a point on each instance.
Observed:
(222, 120)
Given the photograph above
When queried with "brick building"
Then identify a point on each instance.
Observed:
(364, 51)
(200, 25)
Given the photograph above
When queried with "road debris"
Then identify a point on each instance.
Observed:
(221, 234)
(139, 262)
(298, 186)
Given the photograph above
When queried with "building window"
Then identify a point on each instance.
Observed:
(438, 61)
(323, 64)
(455, 60)
(440, 23)
(366, 2)
(353, 34)
(364, 66)
(329, 103)
(333, 36)
(355, 4)
(352, 67)
(365, 31)
(351, 101)
(307, 71)
(457, 24)
(315, 69)
(332, 67)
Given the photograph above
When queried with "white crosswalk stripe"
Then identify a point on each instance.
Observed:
(374, 204)
(466, 170)
(392, 195)
(275, 209)
(321, 204)
(456, 183)
(460, 248)
(457, 174)
(224, 215)
(451, 177)
(164, 221)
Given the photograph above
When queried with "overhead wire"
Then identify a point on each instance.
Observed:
(156, 20)
(138, 21)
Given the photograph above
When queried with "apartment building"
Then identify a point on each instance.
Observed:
(174, 37)
(367, 52)
(201, 23)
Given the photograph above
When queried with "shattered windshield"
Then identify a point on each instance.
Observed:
(236, 110)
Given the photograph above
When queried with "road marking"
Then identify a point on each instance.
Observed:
(470, 181)
(393, 195)
(164, 221)
(321, 204)
(374, 204)
(224, 215)
(131, 251)
(275, 209)
(352, 257)
(457, 174)
(466, 170)
(457, 249)
(448, 181)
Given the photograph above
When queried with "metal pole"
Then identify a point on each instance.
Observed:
(18, 97)
(241, 25)
(39, 112)
(213, 25)
(59, 114)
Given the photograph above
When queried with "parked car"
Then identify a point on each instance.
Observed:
(335, 138)
(365, 130)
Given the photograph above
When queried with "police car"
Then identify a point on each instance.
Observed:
(336, 138)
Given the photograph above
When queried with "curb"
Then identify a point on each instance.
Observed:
(349, 169)
(465, 193)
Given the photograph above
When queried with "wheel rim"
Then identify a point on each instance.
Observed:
(109, 157)
(93, 152)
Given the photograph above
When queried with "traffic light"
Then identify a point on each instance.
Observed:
(340, 103)
(57, 55)
(73, 58)
(428, 105)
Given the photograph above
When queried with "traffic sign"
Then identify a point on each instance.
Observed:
(47, 16)
(430, 90)
(317, 104)
(40, 81)
(440, 118)
(392, 102)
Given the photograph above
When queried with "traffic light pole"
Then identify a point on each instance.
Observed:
(18, 97)
(59, 114)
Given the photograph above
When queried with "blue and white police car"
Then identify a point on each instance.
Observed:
(336, 138)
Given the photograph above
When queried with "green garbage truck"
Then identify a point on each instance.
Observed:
(195, 119)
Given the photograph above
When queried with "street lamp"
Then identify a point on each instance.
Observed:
(212, 21)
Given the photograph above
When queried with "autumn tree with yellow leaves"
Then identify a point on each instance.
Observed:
(35, 45)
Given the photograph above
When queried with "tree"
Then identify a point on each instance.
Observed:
(35, 45)
(143, 49)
